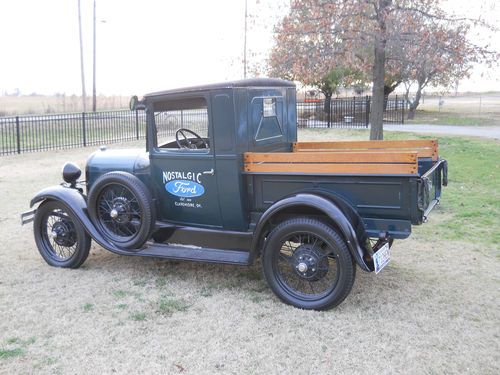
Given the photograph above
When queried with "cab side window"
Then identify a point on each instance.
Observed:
(182, 124)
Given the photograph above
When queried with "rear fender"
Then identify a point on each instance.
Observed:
(324, 205)
(75, 202)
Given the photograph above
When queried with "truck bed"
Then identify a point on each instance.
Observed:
(391, 184)
(412, 157)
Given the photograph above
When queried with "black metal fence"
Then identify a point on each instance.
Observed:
(351, 112)
(48, 132)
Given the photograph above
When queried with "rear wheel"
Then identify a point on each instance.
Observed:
(121, 209)
(59, 236)
(307, 264)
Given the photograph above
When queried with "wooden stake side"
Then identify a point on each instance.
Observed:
(332, 157)
(396, 169)
(425, 148)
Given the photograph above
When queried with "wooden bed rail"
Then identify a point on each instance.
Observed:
(345, 162)
(424, 148)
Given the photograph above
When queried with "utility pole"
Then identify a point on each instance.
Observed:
(245, 43)
(84, 94)
(93, 69)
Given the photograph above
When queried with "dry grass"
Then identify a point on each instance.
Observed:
(40, 104)
(469, 110)
(435, 309)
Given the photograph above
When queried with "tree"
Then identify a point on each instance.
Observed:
(443, 57)
(371, 35)
(333, 80)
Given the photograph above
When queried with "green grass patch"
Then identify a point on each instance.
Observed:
(119, 293)
(140, 282)
(9, 353)
(138, 316)
(21, 342)
(168, 306)
(473, 195)
(161, 282)
(88, 307)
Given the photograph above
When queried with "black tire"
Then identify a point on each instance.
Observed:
(61, 239)
(120, 206)
(307, 264)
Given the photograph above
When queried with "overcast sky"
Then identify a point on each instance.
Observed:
(149, 45)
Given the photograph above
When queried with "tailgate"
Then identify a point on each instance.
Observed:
(429, 188)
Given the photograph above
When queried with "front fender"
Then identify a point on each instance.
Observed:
(320, 203)
(75, 202)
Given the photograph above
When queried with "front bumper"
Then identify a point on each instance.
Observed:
(28, 217)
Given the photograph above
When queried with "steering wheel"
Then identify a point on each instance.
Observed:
(189, 143)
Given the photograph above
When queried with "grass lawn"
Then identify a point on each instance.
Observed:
(433, 310)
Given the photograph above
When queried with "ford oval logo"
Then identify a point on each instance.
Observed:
(185, 188)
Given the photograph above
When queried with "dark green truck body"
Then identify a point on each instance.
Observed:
(235, 185)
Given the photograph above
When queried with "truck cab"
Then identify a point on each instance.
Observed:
(205, 184)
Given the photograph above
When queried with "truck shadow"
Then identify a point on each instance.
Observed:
(370, 291)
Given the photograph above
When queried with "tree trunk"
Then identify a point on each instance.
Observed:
(388, 90)
(377, 105)
(414, 104)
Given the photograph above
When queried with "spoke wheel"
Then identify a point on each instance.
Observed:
(119, 212)
(60, 238)
(307, 264)
(120, 207)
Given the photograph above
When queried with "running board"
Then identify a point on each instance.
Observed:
(196, 254)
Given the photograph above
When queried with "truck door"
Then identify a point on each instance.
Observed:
(183, 162)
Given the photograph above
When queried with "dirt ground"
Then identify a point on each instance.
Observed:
(435, 309)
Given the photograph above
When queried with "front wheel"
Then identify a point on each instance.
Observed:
(307, 264)
(61, 239)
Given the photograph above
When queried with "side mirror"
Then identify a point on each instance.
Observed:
(134, 100)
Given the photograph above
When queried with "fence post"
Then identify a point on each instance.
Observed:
(84, 130)
(353, 111)
(396, 106)
(18, 135)
(367, 120)
(137, 123)
(403, 111)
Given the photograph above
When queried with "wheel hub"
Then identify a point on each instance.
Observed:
(302, 267)
(63, 233)
(309, 262)
(120, 210)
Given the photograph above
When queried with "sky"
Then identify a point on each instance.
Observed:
(150, 45)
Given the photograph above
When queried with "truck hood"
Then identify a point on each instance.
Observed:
(135, 161)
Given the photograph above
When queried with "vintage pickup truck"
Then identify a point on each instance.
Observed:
(223, 179)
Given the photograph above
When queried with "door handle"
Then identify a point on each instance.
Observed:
(211, 172)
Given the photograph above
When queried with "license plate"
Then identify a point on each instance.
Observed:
(382, 257)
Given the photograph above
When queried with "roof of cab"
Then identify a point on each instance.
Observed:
(253, 82)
